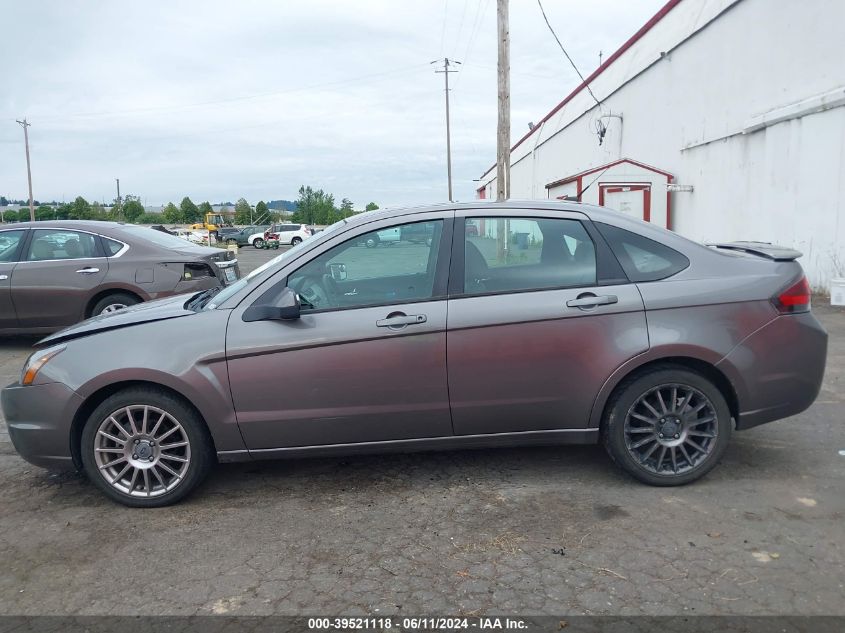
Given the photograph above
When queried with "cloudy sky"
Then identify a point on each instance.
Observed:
(218, 100)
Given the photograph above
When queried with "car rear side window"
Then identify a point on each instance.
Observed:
(9, 244)
(112, 246)
(512, 254)
(48, 244)
(641, 258)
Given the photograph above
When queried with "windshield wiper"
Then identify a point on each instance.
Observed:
(198, 301)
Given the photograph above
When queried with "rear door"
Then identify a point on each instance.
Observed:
(57, 275)
(11, 243)
(540, 315)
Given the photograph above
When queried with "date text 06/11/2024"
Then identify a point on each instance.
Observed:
(416, 624)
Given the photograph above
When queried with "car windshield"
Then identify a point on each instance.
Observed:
(156, 237)
(242, 283)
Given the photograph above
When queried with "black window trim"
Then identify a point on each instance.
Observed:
(608, 270)
(32, 230)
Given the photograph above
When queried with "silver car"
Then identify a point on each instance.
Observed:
(511, 324)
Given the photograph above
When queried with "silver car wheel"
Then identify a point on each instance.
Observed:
(113, 307)
(671, 429)
(142, 451)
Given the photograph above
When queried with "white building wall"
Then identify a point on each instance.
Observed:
(684, 111)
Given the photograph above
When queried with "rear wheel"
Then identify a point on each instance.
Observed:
(114, 302)
(295, 241)
(258, 243)
(144, 447)
(667, 427)
(372, 241)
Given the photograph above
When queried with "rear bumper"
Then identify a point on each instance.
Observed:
(39, 419)
(778, 370)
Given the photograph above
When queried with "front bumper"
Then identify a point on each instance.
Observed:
(39, 419)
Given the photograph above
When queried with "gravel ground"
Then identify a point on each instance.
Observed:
(531, 531)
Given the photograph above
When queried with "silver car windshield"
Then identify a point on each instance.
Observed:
(242, 283)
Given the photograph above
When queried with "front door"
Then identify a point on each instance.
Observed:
(536, 325)
(366, 361)
(56, 277)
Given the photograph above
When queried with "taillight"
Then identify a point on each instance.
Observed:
(308, 231)
(794, 299)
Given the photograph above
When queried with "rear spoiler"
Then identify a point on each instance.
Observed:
(762, 249)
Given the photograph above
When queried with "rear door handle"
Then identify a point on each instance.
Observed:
(588, 300)
(401, 320)
(88, 270)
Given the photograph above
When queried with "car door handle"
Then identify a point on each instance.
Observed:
(88, 270)
(589, 300)
(401, 320)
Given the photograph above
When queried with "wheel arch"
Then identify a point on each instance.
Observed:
(98, 397)
(111, 290)
(698, 365)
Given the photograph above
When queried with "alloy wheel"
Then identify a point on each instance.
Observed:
(142, 451)
(113, 307)
(671, 429)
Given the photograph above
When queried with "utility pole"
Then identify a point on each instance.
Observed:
(25, 125)
(503, 136)
(446, 63)
(118, 196)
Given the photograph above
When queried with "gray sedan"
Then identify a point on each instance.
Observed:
(545, 323)
(54, 274)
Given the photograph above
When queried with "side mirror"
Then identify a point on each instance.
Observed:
(285, 308)
(337, 271)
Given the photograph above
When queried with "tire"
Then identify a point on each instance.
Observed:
(372, 241)
(296, 240)
(161, 487)
(258, 243)
(635, 443)
(113, 302)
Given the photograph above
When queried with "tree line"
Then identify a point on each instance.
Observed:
(312, 207)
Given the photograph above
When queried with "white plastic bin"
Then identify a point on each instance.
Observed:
(837, 292)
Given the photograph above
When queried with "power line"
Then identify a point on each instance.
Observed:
(557, 39)
(443, 30)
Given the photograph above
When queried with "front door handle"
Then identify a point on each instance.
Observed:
(88, 270)
(589, 300)
(400, 320)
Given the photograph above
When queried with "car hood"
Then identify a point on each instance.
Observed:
(158, 310)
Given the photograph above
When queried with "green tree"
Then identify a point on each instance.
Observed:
(171, 214)
(261, 209)
(205, 207)
(371, 206)
(190, 212)
(132, 209)
(11, 215)
(315, 207)
(79, 209)
(346, 208)
(243, 212)
(43, 212)
(149, 218)
(64, 211)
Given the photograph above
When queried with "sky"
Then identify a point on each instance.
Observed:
(222, 100)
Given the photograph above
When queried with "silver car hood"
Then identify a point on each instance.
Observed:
(158, 310)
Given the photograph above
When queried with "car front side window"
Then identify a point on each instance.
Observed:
(356, 274)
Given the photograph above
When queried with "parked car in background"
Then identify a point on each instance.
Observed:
(241, 238)
(227, 234)
(596, 328)
(54, 274)
(292, 234)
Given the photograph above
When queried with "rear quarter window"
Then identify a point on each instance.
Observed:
(641, 258)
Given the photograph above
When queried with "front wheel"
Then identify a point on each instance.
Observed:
(667, 427)
(295, 241)
(258, 243)
(144, 447)
(372, 241)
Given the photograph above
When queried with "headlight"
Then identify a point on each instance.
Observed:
(36, 361)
